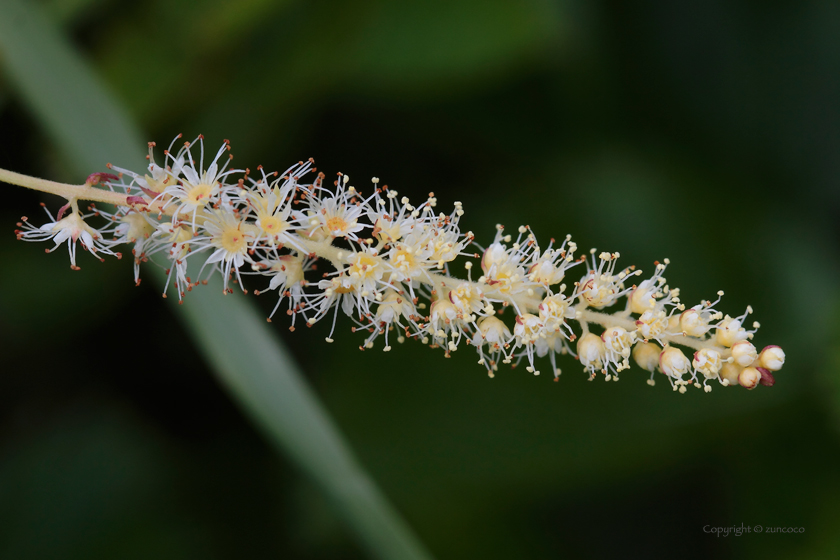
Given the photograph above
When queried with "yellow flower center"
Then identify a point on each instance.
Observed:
(292, 267)
(339, 289)
(233, 240)
(199, 195)
(363, 266)
(273, 225)
(157, 186)
(181, 234)
(386, 230)
(138, 226)
(336, 223)
(503, 279)
(404, 259)
(596, 294)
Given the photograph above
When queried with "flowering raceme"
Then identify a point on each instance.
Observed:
(391, 270)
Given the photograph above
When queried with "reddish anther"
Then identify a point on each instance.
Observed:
(96, 178)
(136, 200)
(148, 192)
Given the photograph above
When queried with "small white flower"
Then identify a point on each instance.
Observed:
(230, 238)
(390, 313)
(270, 205)
(528, 333)
(503, 267)
(729, 330)
(646, 355)
(550, 266)
(555, 311)
(173, 240)
(673, 363)
(602, 286)
(71, 229)
(708, 362)
(652, 325)
(592, 353)
(644, 297)
(364, 271)
(494, 334)
(334, 214)
(198, 188)
(618, 344)
(468, 300)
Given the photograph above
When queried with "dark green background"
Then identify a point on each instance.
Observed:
(705, 133)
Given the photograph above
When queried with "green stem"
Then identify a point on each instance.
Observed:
(70, 192)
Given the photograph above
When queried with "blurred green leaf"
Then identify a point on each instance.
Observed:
(156, 67)
(248, 76)
(67, 11)
(431, 47)
(44, 305)
(92, 129)
(64, 492)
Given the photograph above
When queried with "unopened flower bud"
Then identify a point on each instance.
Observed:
(442, 315)
(730, 372)
(744, 353)
(772, 358)
(641, 299)
(673, 362)
(646, 355)
(749, 378)
(729, 331)
(591, 351)
(493, 331)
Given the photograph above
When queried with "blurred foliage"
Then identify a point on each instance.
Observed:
(61, 90)
(704, 133)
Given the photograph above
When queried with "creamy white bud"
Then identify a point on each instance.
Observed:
(493, 331)
(772, 358)
(673, 362)
(646, 355)
(730, 372)
(729, 331)
(692, 323)
(591, 351)
(744, 353)
(749, 378)
(641, 299)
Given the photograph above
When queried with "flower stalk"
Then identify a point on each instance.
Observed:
(85, 191)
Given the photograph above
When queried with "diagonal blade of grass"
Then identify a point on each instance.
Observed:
(91, 129)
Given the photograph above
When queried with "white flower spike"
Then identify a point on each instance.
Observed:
(386, 264)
